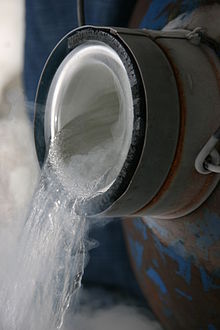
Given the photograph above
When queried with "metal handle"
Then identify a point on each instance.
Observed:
(208, 160)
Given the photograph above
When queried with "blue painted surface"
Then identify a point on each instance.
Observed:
(167, 311)
(179, 247)
(136, 251)
(206, 231)
(155, 262)
(207, 281)
(152, 20)
(153, 224)
(183, 294)
(161, 12)
(211, 327)
(141, 227)
(155, 277)
(184, 265)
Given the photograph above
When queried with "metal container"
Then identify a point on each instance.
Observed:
(166, 91)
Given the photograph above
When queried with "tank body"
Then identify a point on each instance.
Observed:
(172, 212)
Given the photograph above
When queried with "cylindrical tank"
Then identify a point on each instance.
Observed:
(165, 87)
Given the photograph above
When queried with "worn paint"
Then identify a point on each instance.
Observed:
(206, 231)
(207, 281)
(151, 223)
(155, 277)
(136, 250)
(155, 262)
(183, 294)
(139, 225)
(190, 288)
(184, 266)
(160, 12)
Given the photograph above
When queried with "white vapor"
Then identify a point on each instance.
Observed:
(19, 173)
(104, 310)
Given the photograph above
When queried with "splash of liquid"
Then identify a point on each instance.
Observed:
(43, 262)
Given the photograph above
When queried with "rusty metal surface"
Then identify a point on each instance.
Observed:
(197, 96)
(199, 232)
(139, 11)
(177, 265)
(175, 100)
(179, 148)
(177, 262)
(184, 189)
(162, 124)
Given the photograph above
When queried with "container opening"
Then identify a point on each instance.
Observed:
(90, 102)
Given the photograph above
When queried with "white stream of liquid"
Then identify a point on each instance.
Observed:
(42, 263)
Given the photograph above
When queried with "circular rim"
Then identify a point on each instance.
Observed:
(87, 72)
(101, 202)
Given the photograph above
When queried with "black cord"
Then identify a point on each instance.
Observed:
(80, 12)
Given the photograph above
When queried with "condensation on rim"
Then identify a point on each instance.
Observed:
(113, 40)
(91, 72)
